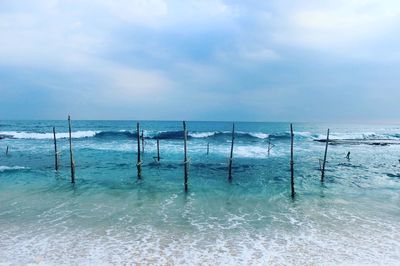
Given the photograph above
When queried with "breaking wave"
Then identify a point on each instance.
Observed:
(132, 134)
(209, 134)
(174, 135)
(358, 136)
(4, 168)
(47, 135)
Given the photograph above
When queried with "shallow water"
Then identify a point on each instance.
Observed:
(110, 217)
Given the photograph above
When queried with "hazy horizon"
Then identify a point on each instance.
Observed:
(367, 123)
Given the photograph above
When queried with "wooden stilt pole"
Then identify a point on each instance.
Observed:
(326, 152)
(142, 141)
(185, 159)
(291, 162)
(231, 154)
(7, 150)
(70, 152)
(139, 162)
(208, 148)
(158, 150)
(55, 150)
(269, 146)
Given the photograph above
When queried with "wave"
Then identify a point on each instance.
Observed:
(286, 135)
(259, 135)
(175, 135)
(209, 134)
(358, 136)
(191, 134)
(4, 168)
(169, 135)
(149, 135)
(115, 134)
(63, 135)
(202, 134)
(34, 135)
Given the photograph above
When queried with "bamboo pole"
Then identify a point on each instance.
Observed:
(55, 150)
(231, 154)
(269, 146)
(326, 152)
(70, 152)
(142, 141)
(139, 162)
(185, 159)
(158, 150)
(291, 162)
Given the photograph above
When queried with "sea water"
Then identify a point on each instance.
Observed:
(110, 217)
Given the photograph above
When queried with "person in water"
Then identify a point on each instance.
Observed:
(348, 156)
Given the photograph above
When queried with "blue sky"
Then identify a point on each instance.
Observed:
(201, 60)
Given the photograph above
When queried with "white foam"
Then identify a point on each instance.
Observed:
(201, 134)
(207, 134)
(33, 135)
(251, 151)
(357, 136)
(259, 135)
(4, 168)
(302, 133)
(147, 245)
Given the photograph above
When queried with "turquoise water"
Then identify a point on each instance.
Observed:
(110, 217)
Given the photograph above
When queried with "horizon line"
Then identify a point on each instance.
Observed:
(218, 121)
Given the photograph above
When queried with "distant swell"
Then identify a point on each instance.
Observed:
(176, 135)
(132, 134)
(367, 136)
(169, 135)
(115, 134)
(206, 135)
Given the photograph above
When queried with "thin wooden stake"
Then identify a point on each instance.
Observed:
(326, 151)
(270, 146)
(208, 148)
(139, 162)
(231, 155)
(291, 162)
(7, 151)
(142, 141)
(70, 152)
(55, 150)
(158, 150)
(185, 159)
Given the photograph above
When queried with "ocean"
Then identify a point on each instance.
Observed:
(109, 216)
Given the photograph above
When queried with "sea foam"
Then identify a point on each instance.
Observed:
(4, 168)
(34, 135)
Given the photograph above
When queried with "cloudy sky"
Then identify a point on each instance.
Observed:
(283, 60)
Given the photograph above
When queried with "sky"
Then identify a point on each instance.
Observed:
(276, 60)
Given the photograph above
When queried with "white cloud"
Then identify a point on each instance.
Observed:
(137, 51)
(338, 24)
(197, 73)
(136, 84)
(145, 12)
(247, 56)
(44, 31)
(261, 54)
